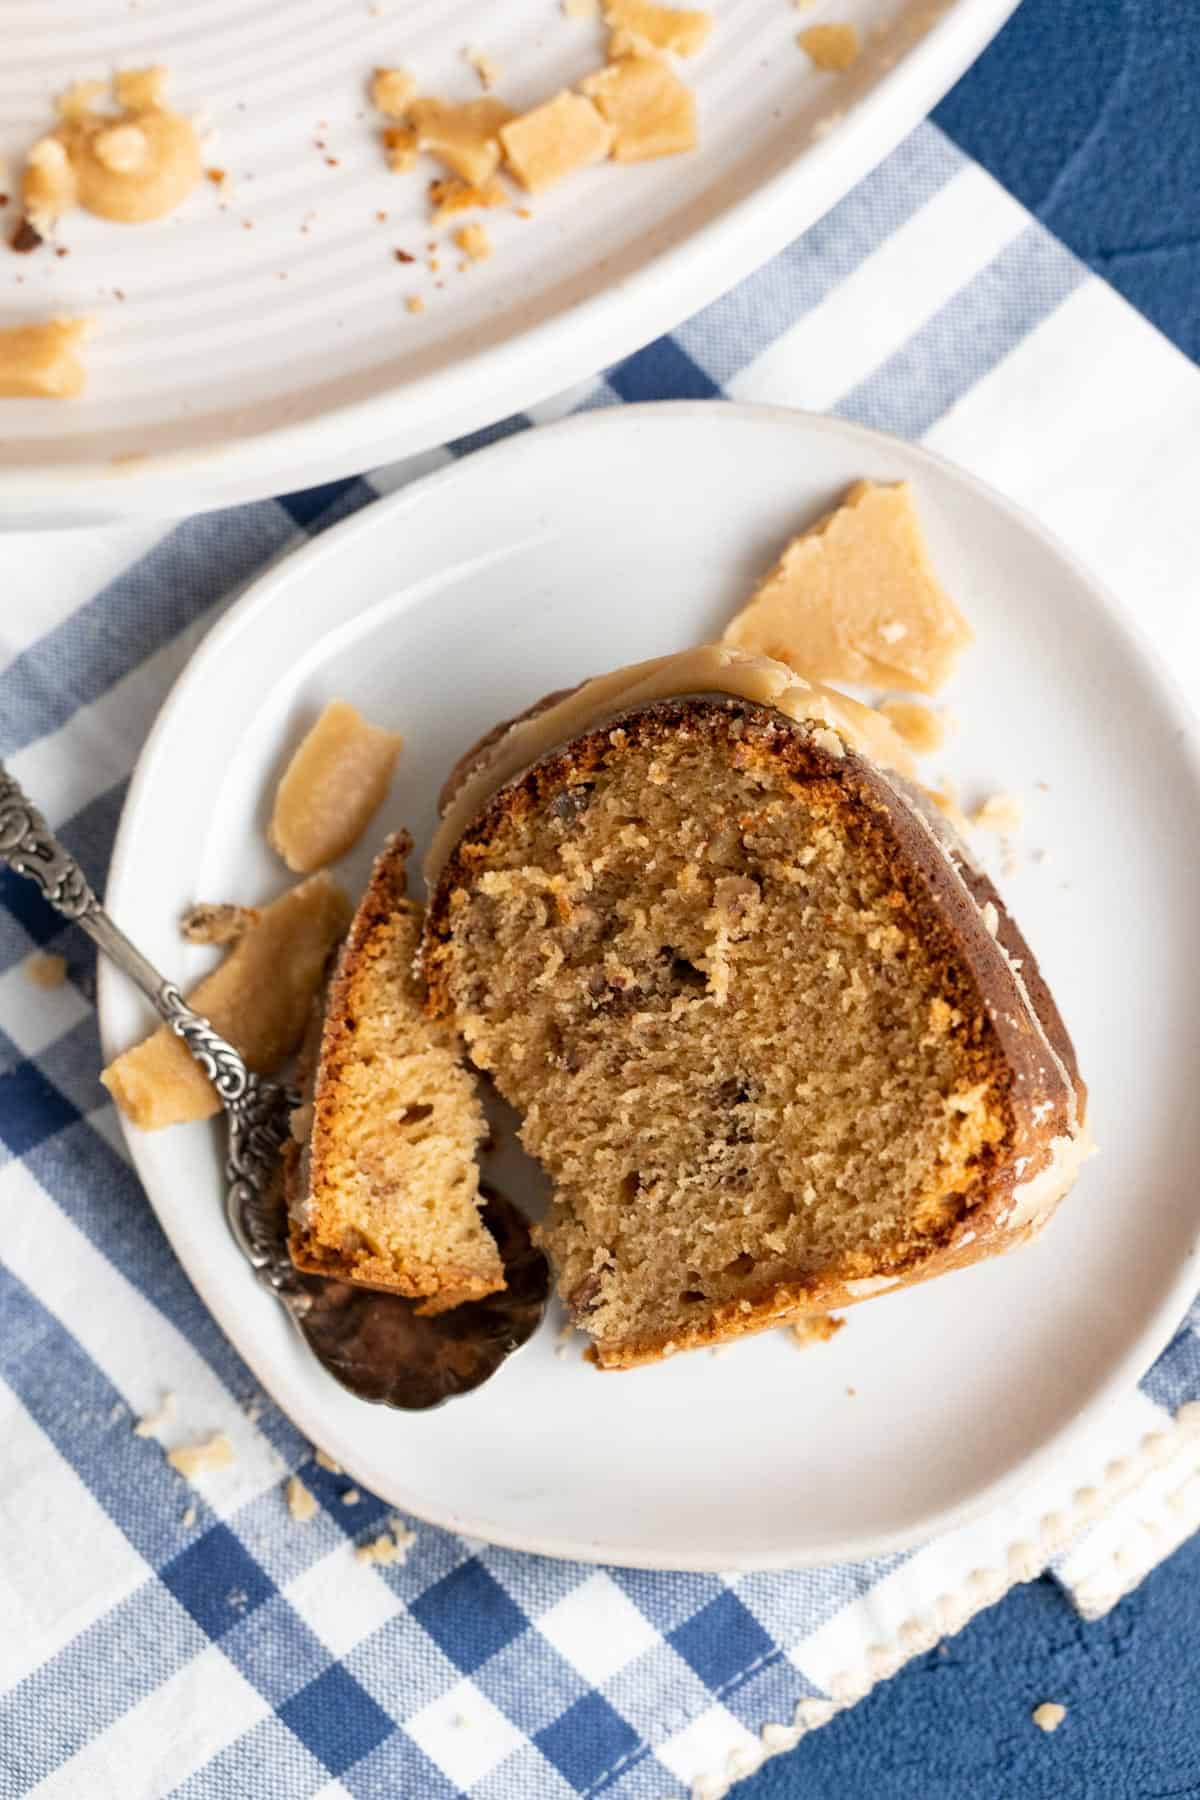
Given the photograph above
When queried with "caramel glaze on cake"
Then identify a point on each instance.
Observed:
(775, 1041)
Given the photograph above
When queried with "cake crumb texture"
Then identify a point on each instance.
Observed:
(855, 598)
(385, 1192)
(708, 963)
(1049, 1715)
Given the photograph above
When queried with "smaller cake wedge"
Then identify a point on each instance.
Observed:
(382, 1180)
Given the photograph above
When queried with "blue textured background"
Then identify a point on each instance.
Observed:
(955, 1724)
(1088, 111)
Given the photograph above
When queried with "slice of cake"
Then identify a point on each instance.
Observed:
(777, 1044)
(383, 1186)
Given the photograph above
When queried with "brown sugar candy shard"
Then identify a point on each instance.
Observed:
(332, 788)
(639, 26)
(259, 997)
(651, 111)
(777, 1046)
(383, 1186)
(463, 135)
(42, 362)
(855, 598)
(554, 140)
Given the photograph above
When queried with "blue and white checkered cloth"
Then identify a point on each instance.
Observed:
(158, 1639)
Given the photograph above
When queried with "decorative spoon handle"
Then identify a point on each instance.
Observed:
(378, 1345)
(28, 846)
(257, 1110)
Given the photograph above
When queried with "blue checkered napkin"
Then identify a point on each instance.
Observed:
(159, 1638)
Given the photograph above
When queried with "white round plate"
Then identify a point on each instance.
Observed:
(619, 535)
(258, 342)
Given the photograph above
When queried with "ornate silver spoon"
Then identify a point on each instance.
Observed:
(377, 1345)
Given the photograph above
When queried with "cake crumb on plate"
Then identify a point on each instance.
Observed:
(831, 47)
(392, 91)
(451, 195)
(817, 1329)
(1001, 813)
(489, 72)
(474, 242)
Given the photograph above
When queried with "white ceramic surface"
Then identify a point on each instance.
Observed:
(620, 535)
(234, 362)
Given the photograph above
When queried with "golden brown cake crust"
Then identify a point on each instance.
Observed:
(316, 1244)
(481, 750)
(1035, 1070)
